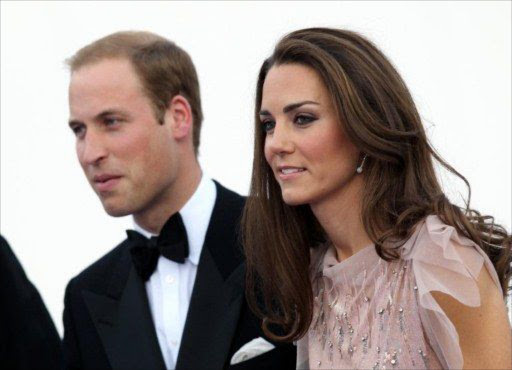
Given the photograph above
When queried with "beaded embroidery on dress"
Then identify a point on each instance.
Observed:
(373, 314)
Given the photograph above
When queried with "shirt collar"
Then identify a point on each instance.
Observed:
(196, 214)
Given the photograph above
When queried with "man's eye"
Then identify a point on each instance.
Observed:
(78, 130)
(111, 121)
(268, 125)
(303, 119)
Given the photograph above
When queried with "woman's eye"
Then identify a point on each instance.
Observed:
(303, 119)
(268, 125)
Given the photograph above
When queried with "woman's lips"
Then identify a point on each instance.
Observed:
(290, 173)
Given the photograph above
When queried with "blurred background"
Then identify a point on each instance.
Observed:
(454, 56)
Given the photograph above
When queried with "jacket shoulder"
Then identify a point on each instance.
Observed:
(95, 276)
(228, 198)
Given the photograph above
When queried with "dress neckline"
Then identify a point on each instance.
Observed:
(331, 267)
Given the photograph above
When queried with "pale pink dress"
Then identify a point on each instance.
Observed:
(373, 314)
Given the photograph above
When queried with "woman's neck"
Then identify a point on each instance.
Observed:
(340, 216)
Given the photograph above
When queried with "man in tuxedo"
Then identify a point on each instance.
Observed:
(172, 294)
(28, 338)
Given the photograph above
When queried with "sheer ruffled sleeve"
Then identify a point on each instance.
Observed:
(446, 262)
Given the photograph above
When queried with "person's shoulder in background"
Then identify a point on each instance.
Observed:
(28, 338)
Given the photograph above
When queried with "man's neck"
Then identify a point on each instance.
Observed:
(171, 201)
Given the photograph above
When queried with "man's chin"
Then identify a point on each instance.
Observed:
(116, 210)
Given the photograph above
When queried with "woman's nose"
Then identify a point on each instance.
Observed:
(280, 141)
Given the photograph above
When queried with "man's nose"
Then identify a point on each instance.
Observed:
(93, 149)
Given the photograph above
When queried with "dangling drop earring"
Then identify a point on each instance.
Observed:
(360, 168)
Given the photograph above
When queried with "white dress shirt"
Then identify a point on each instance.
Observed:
(170, 287)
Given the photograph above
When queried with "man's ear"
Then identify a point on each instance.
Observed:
(179, 116)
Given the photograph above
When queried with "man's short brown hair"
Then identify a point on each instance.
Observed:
(164, 69)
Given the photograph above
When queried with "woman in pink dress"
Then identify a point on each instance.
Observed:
(352, 248)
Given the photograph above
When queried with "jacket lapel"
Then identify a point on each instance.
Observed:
(218, 290)
(123, 320)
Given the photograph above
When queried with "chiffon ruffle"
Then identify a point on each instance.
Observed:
(449, 264)
(370, 313)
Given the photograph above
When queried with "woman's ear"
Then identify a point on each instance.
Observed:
(179, 116)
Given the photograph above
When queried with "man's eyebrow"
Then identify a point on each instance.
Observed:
(106, 113)
(290, 107)
(99, 117)
(74, 122)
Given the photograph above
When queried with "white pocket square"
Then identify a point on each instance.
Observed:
(251, 349)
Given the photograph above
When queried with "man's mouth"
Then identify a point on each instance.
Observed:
(106, 182)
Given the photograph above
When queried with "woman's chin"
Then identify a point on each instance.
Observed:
(294, 199)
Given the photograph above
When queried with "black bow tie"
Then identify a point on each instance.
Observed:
(172, 243)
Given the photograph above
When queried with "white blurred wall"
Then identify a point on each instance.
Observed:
(454, 56)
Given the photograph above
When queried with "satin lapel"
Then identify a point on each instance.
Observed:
(218, 290)
(212, 317)
(124, 324)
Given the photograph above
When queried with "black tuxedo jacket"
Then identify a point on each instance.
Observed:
(108, 324)
(28, 339)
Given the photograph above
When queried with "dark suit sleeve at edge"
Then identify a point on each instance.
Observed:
(28, 338)
(69, 343)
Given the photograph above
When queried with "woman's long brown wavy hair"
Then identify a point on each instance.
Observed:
(401, 188)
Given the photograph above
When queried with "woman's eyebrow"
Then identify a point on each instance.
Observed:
(293, 106)
(289, 107)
